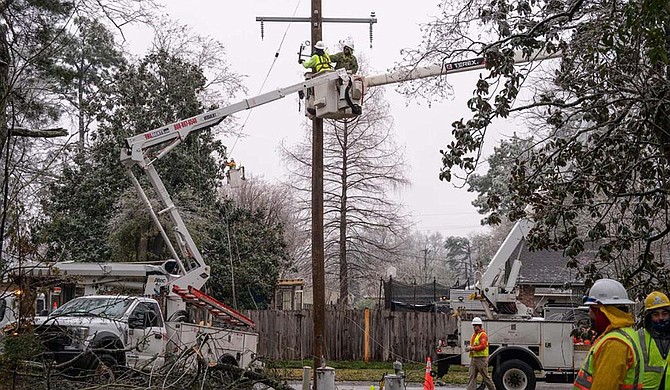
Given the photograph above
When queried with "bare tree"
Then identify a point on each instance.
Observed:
(424, 259)
(362, 165)
(277, 201)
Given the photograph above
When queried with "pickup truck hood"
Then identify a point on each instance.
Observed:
(76, 321)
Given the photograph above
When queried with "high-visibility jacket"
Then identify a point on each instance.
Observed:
(654, 364)
(318, 62)
(479, 342)
(634, 375)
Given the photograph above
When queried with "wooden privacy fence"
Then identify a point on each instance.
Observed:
(411, 336)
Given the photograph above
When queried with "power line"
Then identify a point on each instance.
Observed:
(267, 75)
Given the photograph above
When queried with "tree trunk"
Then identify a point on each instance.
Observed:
(80, 105)
(5, 60)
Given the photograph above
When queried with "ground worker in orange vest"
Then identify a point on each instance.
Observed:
(479, 356)
(654, 337)
(614, 361)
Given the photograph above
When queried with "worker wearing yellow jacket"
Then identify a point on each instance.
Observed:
(319, 61)
(654, 337)
(614, 361)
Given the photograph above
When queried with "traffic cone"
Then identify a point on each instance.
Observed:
(428, 379)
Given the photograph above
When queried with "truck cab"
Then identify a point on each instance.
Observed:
(101, 329)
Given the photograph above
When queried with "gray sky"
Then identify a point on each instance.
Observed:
(423, 130)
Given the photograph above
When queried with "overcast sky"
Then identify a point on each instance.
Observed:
(422, 130)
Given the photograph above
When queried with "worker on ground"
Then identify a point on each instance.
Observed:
(346, 59)
(319, 61)
(654, 337)
(614, 361)
(479, 356)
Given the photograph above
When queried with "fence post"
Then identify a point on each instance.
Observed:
(366, 353)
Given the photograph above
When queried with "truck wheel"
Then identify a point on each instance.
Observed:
(227, 359)
(103, 368)
(514, 375)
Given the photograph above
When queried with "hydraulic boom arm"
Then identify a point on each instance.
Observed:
(137, 151)
(498, 283)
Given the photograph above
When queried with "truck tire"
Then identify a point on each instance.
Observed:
(514, 375)
(228, 359)
(103, 367)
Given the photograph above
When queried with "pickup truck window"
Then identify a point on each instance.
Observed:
(106, 307)
(146, 315)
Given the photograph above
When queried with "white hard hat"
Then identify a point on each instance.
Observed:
(349, 43)
(608, 292)
(477, 321)
(320, 45)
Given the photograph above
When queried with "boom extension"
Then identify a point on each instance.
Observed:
(449, 68)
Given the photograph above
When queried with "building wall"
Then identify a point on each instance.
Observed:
(527, 295)
(537, 297)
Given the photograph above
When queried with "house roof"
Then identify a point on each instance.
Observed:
(546, 267)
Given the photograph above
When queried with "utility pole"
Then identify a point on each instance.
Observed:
(318, 268)
(425, 264)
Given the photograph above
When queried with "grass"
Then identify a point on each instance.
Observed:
(364, 372)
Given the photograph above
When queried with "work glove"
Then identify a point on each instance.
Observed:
(300, 61)
(468, 349)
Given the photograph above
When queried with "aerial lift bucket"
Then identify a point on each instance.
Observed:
(235, 176)
(339, 99)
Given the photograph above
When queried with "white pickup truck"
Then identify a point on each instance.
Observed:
(100, 332)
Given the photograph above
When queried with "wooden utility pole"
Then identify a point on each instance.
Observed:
(318, 268)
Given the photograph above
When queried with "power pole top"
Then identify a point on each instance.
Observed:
(290, 19)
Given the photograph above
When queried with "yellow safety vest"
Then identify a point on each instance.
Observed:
(482, 353)
(634, 375)
(654, 365)
(318, 63)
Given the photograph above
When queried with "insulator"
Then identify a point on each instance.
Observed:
(370, 35)
(262, 30)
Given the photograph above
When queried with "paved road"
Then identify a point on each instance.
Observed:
(364, 386)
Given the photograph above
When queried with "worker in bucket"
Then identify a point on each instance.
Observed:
(319, 61)
(346, 59)
(614, 360)
(654, 337)
(479, 356)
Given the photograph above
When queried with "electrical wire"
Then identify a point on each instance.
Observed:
(274, 61)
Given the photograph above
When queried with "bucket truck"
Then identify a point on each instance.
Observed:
(522, 348)
(133, 330)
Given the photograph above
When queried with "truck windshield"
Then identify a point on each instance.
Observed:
(108, 307)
